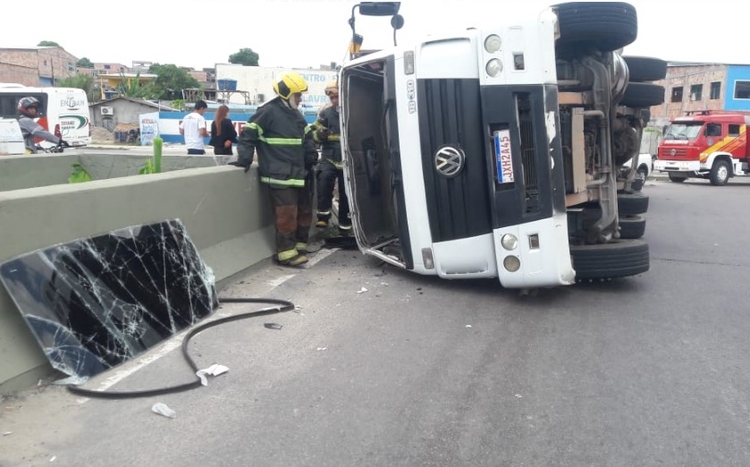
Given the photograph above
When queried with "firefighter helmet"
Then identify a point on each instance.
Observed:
(288, 84)
(332, 88)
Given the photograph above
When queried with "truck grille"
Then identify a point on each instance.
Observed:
(450, 116)
(665, 153)
(528, 150)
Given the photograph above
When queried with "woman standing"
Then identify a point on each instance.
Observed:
(223, 133)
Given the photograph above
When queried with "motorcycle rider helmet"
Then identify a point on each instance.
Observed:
(25, 103)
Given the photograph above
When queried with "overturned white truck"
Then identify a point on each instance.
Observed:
(501, 152)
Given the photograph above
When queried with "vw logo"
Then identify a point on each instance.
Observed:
(449, 161)
(672, 152)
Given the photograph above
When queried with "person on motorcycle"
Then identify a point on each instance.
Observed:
(29, 109)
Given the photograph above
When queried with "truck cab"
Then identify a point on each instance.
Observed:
(501, 151)
(707, 144)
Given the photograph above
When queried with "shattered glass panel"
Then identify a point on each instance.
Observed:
(98, 302)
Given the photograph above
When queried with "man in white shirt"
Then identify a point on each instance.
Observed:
(193, 128)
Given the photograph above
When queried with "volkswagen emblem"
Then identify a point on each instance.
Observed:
(449, 161)
(672, 152)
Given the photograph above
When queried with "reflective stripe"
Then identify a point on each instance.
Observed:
(338, 165)
(334, 138)
(301, 247)
(257, 128)
(288, 254)
(290, 182)
(283, 141)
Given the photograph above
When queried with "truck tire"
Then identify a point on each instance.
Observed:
(632, 204)
(619, 258)
(646, 68)
(605, 26)
(720, 173)
(632, 227)
(643, 95)
(676, 178)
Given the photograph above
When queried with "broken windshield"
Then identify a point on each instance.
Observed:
(683, 130)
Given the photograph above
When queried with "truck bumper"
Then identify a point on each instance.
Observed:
(679, 166)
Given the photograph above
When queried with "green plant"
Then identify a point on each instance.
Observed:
(153, 165)
(79, 174)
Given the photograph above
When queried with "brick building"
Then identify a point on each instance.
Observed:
(702, 86)
(38, 66)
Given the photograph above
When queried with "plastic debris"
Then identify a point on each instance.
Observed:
(213, 370)
(52, 459)
(322, 348)
(519, 396)
(468, 325)
(162, 409)
(362, 290)
(7, 433)
(272, 326)
(74, 380)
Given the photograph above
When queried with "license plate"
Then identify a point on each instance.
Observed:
(503, 156)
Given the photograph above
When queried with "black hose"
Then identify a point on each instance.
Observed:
(284, 306)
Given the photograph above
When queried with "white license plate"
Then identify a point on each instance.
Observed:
(503, 156)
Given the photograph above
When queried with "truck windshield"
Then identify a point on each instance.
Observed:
(683, 130)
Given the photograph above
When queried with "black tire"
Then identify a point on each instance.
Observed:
(620, 258)
(646, 68)
(676, 178)
(720, 173)
(605, 26)
(643, 95)
(632, 227)
(632, 204)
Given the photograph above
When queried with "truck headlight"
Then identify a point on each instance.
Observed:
(509, 242)
(512, 263)
(492, 43)
(494, 67)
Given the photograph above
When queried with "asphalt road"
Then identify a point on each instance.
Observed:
(650, 370)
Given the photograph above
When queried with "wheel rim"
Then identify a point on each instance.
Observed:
(722, 173)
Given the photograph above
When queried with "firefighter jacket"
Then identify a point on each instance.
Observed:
(286, 151)
(331, 145)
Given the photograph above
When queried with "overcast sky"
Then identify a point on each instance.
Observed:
(307, 33)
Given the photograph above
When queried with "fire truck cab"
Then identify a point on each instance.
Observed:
(706, 144)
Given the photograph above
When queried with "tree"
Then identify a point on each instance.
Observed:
(48, 44)
(84, 63)
(244, 57)
(84, 82)
(169, 83)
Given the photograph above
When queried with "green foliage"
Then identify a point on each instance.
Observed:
(132, 87)
(178, 104)
(148, 168)
(48, 44)
(170, 82)
(84, 63)
(79, 174)
(244, 57)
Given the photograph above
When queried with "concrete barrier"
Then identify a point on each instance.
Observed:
(224, 211)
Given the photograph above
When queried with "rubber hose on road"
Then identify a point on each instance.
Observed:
(284, 306)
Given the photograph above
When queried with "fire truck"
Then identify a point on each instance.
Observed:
(705, 144)
(501, 152)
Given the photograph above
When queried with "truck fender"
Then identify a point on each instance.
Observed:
(714, 156)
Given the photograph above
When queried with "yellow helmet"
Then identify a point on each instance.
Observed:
(332, 88)
(288, 84)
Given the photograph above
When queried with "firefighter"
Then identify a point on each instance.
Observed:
(286, 163)
(327, 132)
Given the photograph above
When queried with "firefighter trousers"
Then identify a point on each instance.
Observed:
(328, 175)
(292, 208)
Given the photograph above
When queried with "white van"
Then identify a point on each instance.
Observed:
(64, 111)
(11, 138)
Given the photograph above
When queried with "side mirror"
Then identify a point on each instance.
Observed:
(397, 22)
(379, 8)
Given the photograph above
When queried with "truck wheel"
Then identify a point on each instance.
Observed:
(632, 227)
(632, 204)
(720, 173)
(646, 68)
(619, 258)
(643, 95)
(605, 26)
(676, 178)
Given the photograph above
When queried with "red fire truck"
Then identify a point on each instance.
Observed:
(706, 144)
